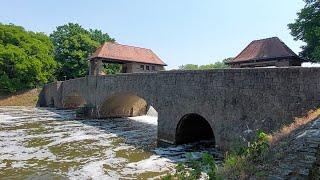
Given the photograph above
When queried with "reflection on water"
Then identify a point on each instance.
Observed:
(50, 143)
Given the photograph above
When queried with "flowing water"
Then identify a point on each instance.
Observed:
(37, 143)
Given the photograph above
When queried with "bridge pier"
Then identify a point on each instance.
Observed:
(95, 67)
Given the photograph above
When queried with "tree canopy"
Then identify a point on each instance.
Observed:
(26, 58)
(217, 65)
(307, 29)
(73, 45)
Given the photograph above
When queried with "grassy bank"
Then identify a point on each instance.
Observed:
(23, 98)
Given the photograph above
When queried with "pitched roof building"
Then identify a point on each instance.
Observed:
(266, 52)
(133, 59)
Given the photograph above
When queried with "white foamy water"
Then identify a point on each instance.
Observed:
(47, 143)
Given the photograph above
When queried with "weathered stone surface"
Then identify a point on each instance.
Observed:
(233, 101)
(315, 171)
(299, 156)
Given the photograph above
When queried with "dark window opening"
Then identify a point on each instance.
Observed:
(193, 128)
(147, 68)
(124, 69)
(142, 67)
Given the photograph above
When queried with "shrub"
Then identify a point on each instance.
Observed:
(236, 166)
(195, 169)
(240, 164)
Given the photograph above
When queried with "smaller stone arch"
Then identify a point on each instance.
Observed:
(73, 100)
(193, 128)
(123, 104)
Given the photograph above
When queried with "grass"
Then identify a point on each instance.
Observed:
(298, 123)
(22, 98)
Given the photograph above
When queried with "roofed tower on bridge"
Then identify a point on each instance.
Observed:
(264, 53)
(133, 59)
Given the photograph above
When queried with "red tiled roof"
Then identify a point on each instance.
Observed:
(265, 49)
(115, 52)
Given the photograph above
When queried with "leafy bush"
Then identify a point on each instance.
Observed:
(236, 166)
(240, 164)
(257, 149)
(194, 169)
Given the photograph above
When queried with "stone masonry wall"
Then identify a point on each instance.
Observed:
(234, 101)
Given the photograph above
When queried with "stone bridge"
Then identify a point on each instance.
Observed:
(223, 105)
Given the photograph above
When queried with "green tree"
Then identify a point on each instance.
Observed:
(218, 65)
(26, 58)
(307, 29)
(189, 67)
(73, 45)
(99, 36)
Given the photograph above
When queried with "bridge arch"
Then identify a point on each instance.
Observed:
(123, 104)
(73, 100)
(192, 128)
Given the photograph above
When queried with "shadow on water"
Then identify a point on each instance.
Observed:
(139, 134)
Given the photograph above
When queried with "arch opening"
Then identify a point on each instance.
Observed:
(193, 128)
(73, 100)
(123, 105)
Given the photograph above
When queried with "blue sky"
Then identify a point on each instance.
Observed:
(178, 31)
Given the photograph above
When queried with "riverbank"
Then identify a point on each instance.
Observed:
(22, 98)
(291, 153)
(294, 152)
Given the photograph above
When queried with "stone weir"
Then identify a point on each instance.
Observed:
(226, 106)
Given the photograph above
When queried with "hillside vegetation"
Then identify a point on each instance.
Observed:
(22, 98)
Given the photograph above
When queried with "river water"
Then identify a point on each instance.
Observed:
(38, 143)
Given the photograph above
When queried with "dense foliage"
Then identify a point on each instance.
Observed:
(307, 28)
(73, 45)
(217, 65)
(26, 58)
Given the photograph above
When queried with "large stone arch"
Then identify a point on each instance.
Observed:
(123, 104)
(73, 100)
(193, 128)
